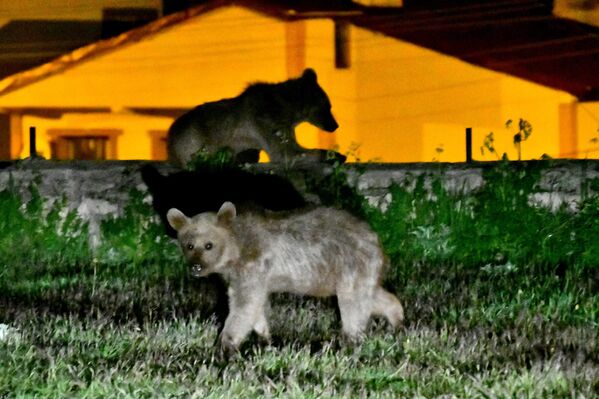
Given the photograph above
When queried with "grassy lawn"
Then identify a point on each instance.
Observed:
(501, 300)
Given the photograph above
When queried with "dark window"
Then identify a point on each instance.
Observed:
(80, 147)
(85, 144)
(342, 45)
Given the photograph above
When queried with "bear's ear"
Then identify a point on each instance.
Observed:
(176, 219)
(309, 74)
(226, 213)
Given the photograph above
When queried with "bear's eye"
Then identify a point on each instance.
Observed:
(190, 246)
(208, 246)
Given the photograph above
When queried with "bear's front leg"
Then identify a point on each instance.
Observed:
(246, 314)
(261, 326)
(284, 149)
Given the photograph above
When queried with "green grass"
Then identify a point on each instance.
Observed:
(501, 299)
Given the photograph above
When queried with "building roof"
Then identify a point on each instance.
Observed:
(98, 48)
(518, 37)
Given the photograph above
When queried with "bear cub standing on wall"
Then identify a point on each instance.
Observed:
(263, 117)
(321, 252)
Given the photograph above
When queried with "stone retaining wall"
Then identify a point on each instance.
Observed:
(100, 189)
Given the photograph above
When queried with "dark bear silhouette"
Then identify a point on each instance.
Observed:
(262, 117)
(205, 190)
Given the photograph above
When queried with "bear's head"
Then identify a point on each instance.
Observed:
(206, 239)
(316, 104)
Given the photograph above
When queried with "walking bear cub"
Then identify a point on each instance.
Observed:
(263, 117)
(319, 252)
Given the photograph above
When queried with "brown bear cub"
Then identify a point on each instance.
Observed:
(263, 117)
(319, 252)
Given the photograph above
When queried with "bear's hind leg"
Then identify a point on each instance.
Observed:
(261, 325)
(387, 305)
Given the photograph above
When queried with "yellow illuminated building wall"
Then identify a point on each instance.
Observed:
(396, 102)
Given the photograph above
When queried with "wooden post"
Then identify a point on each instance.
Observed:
(32, 143)
(568, 130)
(4, 137)
(468, 144)
(16, 134)
(342, 45)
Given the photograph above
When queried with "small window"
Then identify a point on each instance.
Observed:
(83, 144)
(342, 45)
(82, 148)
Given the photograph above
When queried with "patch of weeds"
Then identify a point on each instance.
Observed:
(136, 236)
(433, 242)
(420, 222)
(223, 158)
(37, 232)
(137, 273)
(489, 251)
(334, 190)
(41, 246)
(501, 210)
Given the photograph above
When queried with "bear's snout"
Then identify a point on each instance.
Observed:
(332, 125)
(196, 270)
(328, 123)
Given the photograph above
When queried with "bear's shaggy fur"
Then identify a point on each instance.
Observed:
(205, 190)
(319, 252)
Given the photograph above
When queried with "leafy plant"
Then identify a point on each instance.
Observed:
(489, 145)
(38, 232)
(136, 236)
(523, 133)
